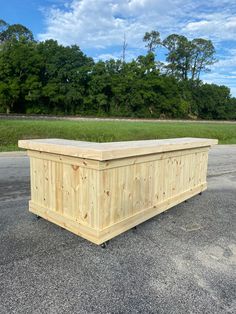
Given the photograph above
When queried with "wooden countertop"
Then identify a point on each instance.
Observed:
(113, 150)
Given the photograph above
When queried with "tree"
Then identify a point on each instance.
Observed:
(18, 61)
(147, 63)
(45, 77)
(153, 40)
(188, 58)
(9, 93)
(124, 47)
(212, 101)
(202, 55)
(178, 56)
(15, 32)
(62, 72)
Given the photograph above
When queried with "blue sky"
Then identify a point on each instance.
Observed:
(98, 26)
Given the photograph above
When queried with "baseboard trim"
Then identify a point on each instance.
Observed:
(100, 236)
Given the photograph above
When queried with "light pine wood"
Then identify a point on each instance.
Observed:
(98, 199)
(113, 150)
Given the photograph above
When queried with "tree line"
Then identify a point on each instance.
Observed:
(48, 78)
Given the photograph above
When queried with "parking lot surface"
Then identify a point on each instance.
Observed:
(181, 261)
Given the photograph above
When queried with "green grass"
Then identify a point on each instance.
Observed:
(106, 131)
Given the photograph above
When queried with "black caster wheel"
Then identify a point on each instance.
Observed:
(104, 245)
(38, 217)
(200, 193)
(134, 228)
(185, 201)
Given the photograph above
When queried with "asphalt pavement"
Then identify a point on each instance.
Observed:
(181, 261)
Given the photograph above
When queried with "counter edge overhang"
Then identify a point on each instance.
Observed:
(113, 150)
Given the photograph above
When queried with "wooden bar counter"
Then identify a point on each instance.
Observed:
(99, 190)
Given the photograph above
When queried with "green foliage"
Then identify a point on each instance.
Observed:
(152, 39)
(48, 78)
(202, 56)
(188, 58)
(14, 32)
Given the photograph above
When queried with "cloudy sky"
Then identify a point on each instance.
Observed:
(98, 26)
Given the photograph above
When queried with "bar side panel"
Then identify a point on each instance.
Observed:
(66, 189)
(128, 190)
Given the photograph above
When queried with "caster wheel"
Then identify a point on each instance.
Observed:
(186, 201)
(200, 193)
(38, 217)
(104, 245)
(134, 228)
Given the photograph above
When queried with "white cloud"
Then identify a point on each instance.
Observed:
(218, 26)
(116, 55)
(99, 26)
(102, 23)
(106, 56)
